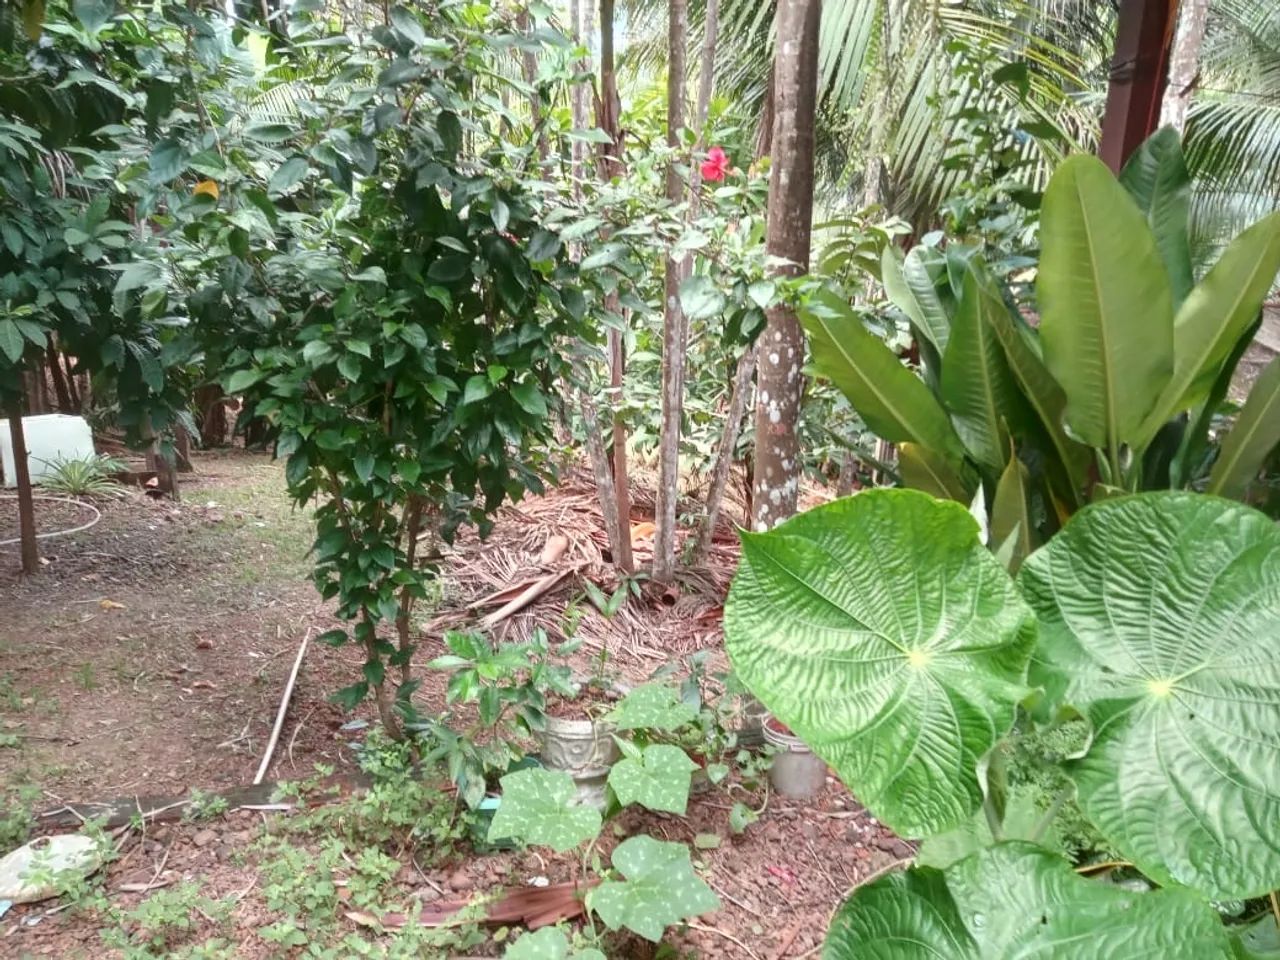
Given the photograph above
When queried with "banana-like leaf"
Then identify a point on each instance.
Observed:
(883, 632)
(1160, 622)
(891, 400)
(1106, 312)
(1045, 396)
(1011, 514)
(978, 387)
(912, 284)
(1254, 436)
(1156, 177)
(928, 471)
(1216, 315)
(1017, 900)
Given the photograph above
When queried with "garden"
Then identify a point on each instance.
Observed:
(687, 480)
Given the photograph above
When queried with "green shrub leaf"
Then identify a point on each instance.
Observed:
(651, 706)
(1017, 900)
(1160, 622)
(658, 779)
(660, 888)
(887, 637)
(537, 809)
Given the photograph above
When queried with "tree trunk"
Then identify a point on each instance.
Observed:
(781, 347)
(764, 134)
(182, 449)
(673, 328)
(706, 84)
(30, 547)
(616, 527)
(1139, 69)
(724, 455)
(1184, 65)
(59, 380)
(213, 415)
(529, 70)
(609, 164)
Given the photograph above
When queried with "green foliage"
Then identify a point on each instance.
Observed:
(652, 706)
(660, 888)
(656, 776)
(1016, 899)
(1153, 623)
(164, 921)
(843, 622)
(1134, 599)
(537, 809)
(549, 943)
(83, 477)
(17, 816)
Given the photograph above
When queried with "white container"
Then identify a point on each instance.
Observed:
(50, 437)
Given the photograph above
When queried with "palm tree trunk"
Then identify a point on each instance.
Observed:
(1184, 65)
(30, 548)
(674, 333)
(779, 383)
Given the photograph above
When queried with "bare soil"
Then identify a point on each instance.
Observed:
(149, 656)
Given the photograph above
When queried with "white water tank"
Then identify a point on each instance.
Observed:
(50, 437)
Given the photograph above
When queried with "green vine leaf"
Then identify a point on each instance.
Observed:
(660, 888)
(1016, 900)
(1160, 622)
(652, 706)
(882, 632)
(658, 779)
(549, 943)
(537, 809)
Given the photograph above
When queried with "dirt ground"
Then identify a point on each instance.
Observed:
(149, 655)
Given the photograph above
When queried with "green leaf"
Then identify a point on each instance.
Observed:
(1011, 514)
(1016, 900)
(762, 293)
(290, 173)
(168, 161)
(652, 706)
(1106, 313)
(477, 388)
(700, 299)
(845, 621)
(1157, 179)
(659, 779)
(137, 274)
(741, 816)
(530, 398)
(912, 284)
(661, 888)
(270, 132)
(1218, 312)
(537, 809)
(549, 943)
(1159, 622)
(11, 340)
(242, 380)
(1022, 821)
(925, 470)
(1255, 434)
(13, 239)
(74, 236)
(543, 245)
(891, 400)
(977, 385)
(363, 464)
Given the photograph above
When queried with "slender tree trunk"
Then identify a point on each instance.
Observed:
(182, 449)
(59, 381)
(706, 85)
(781, 347)
(738, 400)
(764, 133)
(1139, 69)
(73, 386)
(1184, 65)
(609, 164)
(674, 333)
(30, 546)
(619, 534)
(529, 70)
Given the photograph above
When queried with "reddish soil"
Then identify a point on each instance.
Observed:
(149, 655)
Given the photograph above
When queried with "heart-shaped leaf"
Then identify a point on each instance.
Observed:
(549, 943)
(652, 706)
(658, 778)
(537, 809)
(660, 888)
(886, 636)
(1016, 900)
(1160, 621)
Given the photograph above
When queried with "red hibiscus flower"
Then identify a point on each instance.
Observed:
(716, 165)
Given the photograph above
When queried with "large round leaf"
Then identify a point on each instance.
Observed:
(1160, 621)
(883, 633)
(1016, 901)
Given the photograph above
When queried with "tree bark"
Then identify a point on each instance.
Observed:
(738, 400)
(702, 106)
(609, 163)
(30, 547)
(1139, 69)
(764, 133)
(59, 380)
(781, 347)
(1184, 65)
(529, 70)
(674, 333)
(618, 534)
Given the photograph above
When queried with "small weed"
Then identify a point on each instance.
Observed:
(164, 920)
(83, 477)
(16, 817)
(203, 806)
(85, 676)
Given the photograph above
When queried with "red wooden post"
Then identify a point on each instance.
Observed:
(1139, 72)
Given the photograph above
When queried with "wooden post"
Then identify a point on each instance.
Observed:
(1139, 72)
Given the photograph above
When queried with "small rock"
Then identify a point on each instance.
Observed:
(459, 881)
(204, 838)
(204, 644)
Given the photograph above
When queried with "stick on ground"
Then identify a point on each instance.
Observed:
(284, 708)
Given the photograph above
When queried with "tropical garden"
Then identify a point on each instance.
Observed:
(718, 479)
